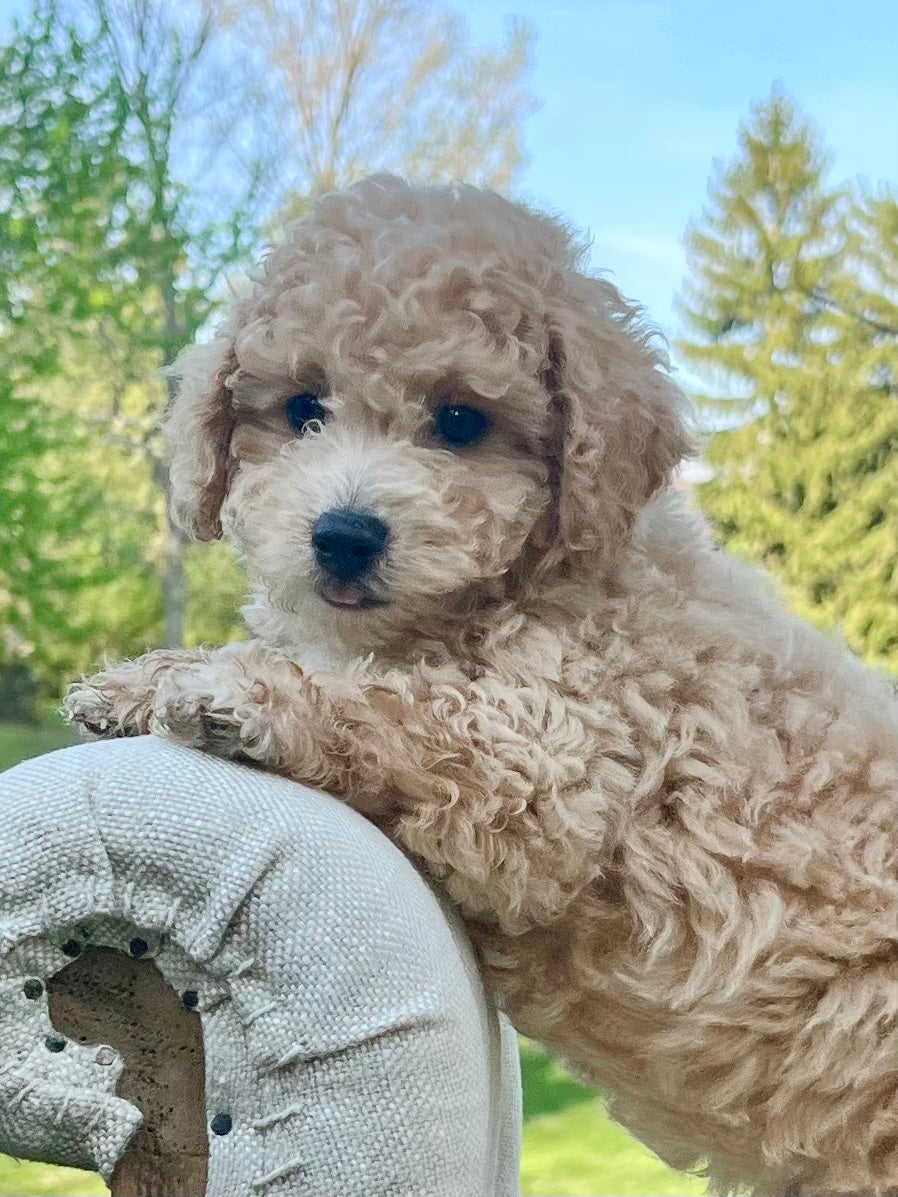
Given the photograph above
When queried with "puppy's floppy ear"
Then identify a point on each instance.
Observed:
(199, 430)
(618, 426)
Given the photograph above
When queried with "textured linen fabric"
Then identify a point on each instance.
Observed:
(346, 1032)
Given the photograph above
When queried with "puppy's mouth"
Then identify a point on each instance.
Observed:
(348, 596)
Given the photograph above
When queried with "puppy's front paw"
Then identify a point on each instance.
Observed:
(104, 707)
(185, 709)
(88, 707)
(206, 708)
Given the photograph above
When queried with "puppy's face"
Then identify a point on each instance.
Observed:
(386, 461)
(419, 390)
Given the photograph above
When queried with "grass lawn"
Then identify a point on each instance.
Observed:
(571, 1148)
(42, 1180)
(18, 741)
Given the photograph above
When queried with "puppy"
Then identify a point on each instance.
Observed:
(666, 807)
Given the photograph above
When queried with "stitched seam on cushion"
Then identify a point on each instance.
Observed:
(92, 780)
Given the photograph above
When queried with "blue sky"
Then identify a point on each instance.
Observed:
(640, 96)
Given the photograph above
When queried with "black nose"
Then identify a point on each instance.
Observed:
(346, 542)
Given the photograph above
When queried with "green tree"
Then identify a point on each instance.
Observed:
(166, 62)
(791, 307)
(107, 269)
(62, 183)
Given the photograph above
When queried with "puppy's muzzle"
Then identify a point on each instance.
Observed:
(347, 542)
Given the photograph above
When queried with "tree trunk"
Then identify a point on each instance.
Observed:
(174, 586)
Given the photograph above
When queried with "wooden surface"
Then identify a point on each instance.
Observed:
(105, 997)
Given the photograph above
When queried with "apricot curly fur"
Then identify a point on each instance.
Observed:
(666, 806)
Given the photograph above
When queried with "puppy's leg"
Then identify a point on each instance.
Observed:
(457, 771)
(119, 700)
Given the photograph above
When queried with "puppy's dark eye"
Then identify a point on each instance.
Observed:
(457, 424)
(305, 409)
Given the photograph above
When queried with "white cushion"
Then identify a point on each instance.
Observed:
(345, 1029)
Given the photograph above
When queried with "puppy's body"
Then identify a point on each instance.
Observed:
(666, 807)
(732, 979)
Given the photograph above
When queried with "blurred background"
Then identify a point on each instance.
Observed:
(735, 166)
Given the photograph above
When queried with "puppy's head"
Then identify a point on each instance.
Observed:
(423, 401)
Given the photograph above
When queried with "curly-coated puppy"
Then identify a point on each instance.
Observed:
(666, 807)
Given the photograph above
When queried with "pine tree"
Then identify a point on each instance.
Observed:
(792, 306)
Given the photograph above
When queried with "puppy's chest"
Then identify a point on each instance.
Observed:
(321, 657)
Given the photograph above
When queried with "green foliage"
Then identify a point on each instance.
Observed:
(548, 1088)
(792, 307)
(64, 180)
(770, 241)
(105, 271)
(212, 615)
(62, 184)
